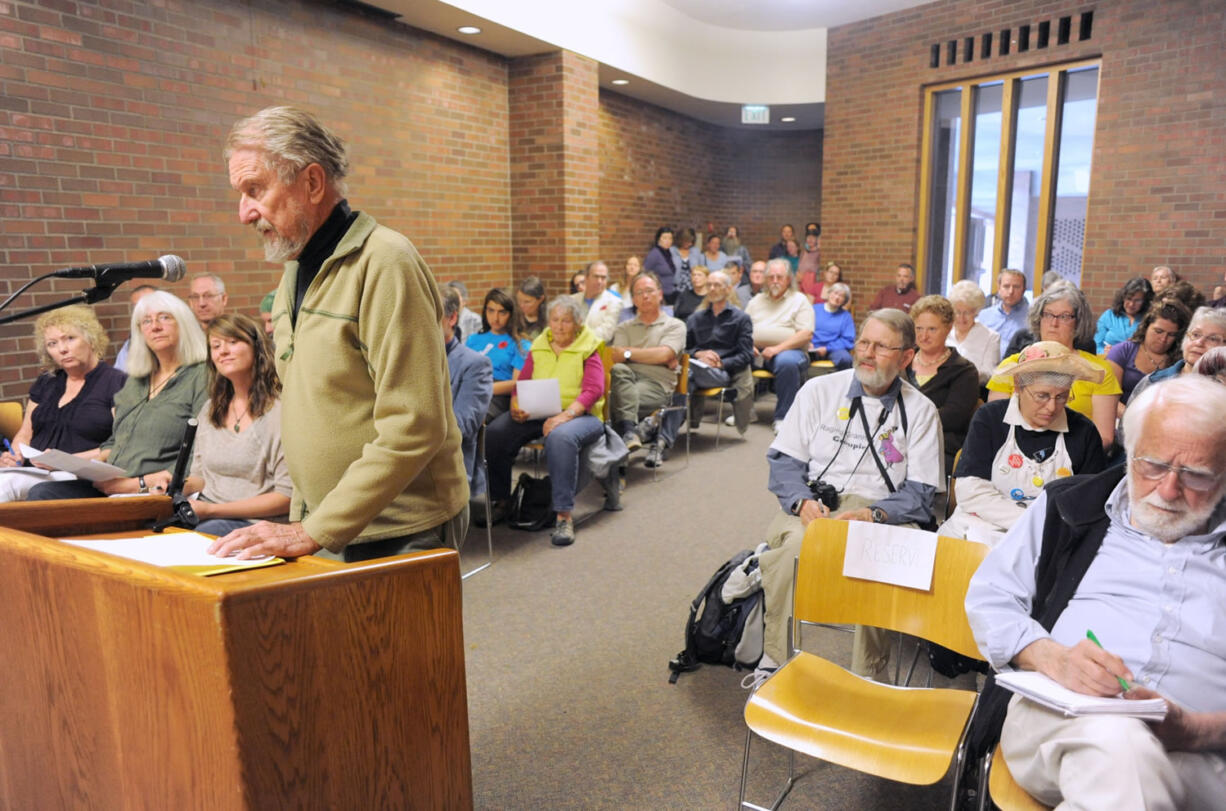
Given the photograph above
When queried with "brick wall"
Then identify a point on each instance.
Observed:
(554, 169)
(1157, 190)
(658, 167)
(112, 119)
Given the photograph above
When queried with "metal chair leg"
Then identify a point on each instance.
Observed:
(719, 418)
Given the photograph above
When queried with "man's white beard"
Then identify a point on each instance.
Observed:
(875, 380)
(280, 249)
(1151, 516)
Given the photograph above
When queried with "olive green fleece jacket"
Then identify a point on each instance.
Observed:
(366, 421)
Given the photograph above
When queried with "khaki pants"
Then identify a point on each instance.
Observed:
(1105, 762)
(741, 383)
(871, 647)
(634, 397)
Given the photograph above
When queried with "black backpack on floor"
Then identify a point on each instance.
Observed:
(717, 631)
(531, 504)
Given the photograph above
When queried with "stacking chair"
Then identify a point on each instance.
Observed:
(1003, 790)
(680, 402)
(718, 391)
(10, 418)
(951, 499)
(489, 519)
(812, 706)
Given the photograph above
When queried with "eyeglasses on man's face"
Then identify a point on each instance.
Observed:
(1202, 481)
(196, 298)
(876, 348)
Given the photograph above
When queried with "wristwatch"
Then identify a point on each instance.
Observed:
(798, 505)
(878, 514)
(626, 354)
(140, 482)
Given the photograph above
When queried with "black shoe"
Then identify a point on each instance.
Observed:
(499, 510)
(655, 456)
(633, 440)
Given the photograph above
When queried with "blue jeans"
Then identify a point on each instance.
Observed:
(504, 437)
(789, 368)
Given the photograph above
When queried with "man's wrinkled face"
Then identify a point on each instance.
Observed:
(778, 280)
(1175, 477)
(757, 274)
(903, 277)
(206, 301)
(879, 355)
(275, 209)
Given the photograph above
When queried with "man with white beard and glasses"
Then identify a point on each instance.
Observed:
(859, 445)
(1137, 556)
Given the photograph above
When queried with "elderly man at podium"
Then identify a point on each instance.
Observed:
(367, 425)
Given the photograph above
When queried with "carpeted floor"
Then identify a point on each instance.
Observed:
(568, 650)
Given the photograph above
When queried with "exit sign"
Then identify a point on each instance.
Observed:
(755, 114)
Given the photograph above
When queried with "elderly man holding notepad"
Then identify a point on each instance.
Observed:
(1113, 584)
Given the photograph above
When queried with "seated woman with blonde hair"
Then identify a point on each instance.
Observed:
(70, 402)
(238, 467)
(1016, 446)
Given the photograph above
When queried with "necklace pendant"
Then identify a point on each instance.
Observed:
(236, 425)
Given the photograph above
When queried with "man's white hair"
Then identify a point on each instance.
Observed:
(1200, 401)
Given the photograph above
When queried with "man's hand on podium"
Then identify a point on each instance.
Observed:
(265, 538)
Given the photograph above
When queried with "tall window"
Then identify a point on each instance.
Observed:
(1006, 176)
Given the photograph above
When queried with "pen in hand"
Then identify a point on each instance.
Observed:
(1090, 636)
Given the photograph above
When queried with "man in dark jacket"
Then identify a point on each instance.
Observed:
(1137, 556)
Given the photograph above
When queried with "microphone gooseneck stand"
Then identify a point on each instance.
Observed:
(181, 512)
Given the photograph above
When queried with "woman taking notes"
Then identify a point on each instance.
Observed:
(237, 463)
(167, 382)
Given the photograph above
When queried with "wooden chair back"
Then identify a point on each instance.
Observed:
(824, 595)
(10, 418)
(683, 375)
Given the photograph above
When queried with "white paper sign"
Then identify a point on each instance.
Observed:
(889, 554)
(540, 398)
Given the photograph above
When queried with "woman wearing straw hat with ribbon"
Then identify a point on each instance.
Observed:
(1016, 446)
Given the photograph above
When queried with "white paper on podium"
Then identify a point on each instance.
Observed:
(889, 554)
(540, 398)
(81, 468)
(171, 549)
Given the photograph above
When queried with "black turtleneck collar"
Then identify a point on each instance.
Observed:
(321, 245)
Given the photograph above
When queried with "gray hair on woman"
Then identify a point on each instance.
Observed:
(1206, 315)
(1086, 324)
(1199, 401)
(192, 346)
(570, 306)
(292, 139)
(838, 287)
(1056, 379)
(968, 293)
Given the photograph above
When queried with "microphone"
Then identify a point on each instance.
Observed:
(169, 267)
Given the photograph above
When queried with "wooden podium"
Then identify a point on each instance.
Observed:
(312, 684)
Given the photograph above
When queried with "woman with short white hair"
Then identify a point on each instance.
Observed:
(167, 385)
(974, 341)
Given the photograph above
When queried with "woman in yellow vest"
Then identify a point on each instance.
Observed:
(566, 351)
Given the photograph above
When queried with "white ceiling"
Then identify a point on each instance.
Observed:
(702, 58)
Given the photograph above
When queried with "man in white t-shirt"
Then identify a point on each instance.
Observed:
(889, 481)
(782, 329)
(601, 309)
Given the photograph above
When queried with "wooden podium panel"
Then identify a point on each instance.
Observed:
(312, 684)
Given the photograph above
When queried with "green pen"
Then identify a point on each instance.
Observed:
(1090, 636)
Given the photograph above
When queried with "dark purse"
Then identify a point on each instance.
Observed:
(531, 504)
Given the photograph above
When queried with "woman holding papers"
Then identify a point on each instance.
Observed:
(1016, 446)
(70, 403)
(567, 352)
(237, 463)
(166, 386)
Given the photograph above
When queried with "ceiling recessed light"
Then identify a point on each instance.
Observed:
(469, 29)
(788, 119)
(621, 81)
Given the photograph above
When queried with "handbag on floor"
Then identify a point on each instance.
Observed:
(531, 504)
